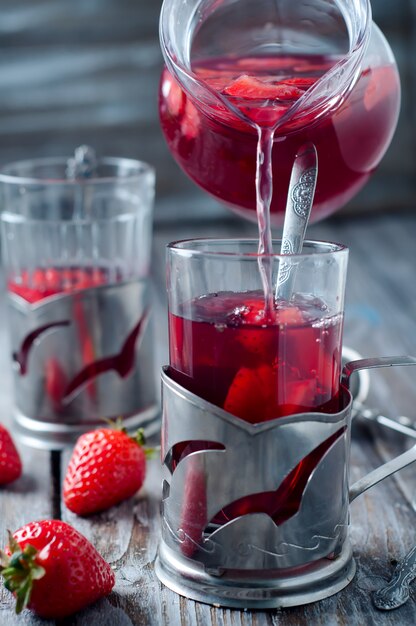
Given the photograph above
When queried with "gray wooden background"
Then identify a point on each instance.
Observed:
(87, 71)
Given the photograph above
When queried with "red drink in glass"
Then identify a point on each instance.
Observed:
(46, 282)
(227, 350)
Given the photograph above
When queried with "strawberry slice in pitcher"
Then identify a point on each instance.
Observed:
(250, 88)
(302, 82)
(190, 121)
(175, 98)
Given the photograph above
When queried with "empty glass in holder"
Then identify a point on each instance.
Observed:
(77, 255)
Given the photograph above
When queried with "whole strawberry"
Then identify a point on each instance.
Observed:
(10, 463)
(107, 466)
(54, 570)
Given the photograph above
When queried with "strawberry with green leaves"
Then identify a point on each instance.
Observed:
(10, 463)
(107, 466)
(53, 570)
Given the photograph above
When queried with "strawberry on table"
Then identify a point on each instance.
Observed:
(54, 570)
(107, 466)
(10, 463)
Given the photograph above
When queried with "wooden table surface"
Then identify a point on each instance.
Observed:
(380, 319)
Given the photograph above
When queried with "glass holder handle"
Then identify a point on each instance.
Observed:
(399, 462)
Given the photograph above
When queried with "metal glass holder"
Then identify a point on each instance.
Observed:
(73, 366)
(257, 515)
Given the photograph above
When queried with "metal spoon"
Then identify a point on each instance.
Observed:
(83, 164)
(82, 167)
(373, 415)
(397, 591)
(298, 209)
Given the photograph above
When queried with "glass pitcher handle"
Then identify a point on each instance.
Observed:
(401, 461)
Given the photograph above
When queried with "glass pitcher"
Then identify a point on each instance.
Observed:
(315, 70)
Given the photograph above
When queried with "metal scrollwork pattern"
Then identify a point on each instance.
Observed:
(303, 191)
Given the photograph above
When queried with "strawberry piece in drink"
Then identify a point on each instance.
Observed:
(175, 98)
(253, 314)
(252, 394)
(190, 121)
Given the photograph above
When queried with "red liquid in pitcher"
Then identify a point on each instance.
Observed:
(217, 148)
(258, 366)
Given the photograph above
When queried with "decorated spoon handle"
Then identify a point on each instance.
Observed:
(396, 592)
(298, 209)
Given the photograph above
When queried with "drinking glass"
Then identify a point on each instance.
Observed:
(226, 347)
(77, 256)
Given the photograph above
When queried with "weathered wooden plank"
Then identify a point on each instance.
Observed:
(127, 537)
(55, 22)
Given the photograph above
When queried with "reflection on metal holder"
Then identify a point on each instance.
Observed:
(359, 385)
(256, 515)
(250, 474)
(259, 590)
(81, 357)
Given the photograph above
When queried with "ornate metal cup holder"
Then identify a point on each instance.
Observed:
(257, 515)
(97, 368)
